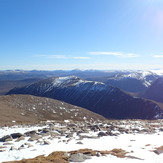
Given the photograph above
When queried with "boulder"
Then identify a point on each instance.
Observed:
(20, 138)
(16, 135)
(100, 134)
(6, 138)
(78, 157)
(30, 133)
(34, 137)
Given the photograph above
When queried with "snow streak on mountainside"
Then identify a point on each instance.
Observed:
(98, 97)
(155, 91)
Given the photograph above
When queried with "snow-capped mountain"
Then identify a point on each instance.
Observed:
(133, 81)
(98, 97)
(155, 91)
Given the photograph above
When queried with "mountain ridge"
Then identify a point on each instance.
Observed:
(98, 97)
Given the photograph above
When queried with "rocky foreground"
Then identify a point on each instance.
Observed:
(69, 141)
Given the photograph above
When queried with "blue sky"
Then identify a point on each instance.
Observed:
(83, 34)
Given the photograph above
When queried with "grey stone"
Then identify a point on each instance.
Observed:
(34, 137)
(30, 133)
(4, 138)
(100, 134)
(98, 154)
(1, 147)
(7, 143)
(13, 148)
(9, 139)
(158, 151)
(46, 142)
(79, 157)
(79, 142)
(20, 138)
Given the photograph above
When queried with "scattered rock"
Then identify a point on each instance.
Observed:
(13, 148)
(7, 143)
(133, 157)
(9, 139)
(1, 147)
(158, 152)
(79, 142)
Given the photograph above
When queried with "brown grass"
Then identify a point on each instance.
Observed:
(160, 148)
(55, 157)
(60, 157)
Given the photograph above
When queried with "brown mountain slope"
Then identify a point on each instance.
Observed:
(20, 109)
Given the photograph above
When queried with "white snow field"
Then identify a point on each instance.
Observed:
(139, 145)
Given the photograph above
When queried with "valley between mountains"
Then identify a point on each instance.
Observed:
(81, 116)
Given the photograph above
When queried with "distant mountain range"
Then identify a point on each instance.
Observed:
(98, 97)
(130, 81)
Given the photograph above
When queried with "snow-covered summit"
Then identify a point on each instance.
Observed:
(135, 74)
(73, 81)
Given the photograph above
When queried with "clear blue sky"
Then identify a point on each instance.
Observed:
(84, 34)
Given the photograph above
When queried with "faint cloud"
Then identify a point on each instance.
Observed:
(51, 56)
(60, 57)
(158, 56)
(105, 53)
(57, 57)
(118, 54)
(81, 57)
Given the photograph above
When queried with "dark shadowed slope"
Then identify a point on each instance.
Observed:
(155, 91)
